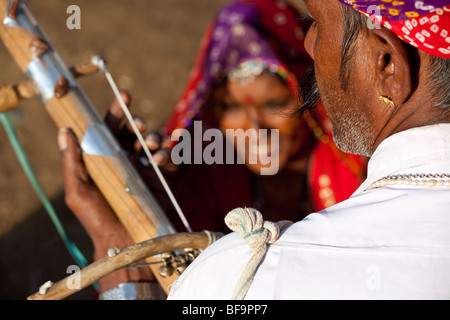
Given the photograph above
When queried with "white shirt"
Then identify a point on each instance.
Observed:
(386, 243)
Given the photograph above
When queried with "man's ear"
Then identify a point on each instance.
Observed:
(393, 66)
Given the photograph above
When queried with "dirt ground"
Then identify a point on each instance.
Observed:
(150, 46)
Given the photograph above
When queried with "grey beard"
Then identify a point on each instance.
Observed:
(353, 134)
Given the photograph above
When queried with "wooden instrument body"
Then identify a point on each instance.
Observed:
(69, 107)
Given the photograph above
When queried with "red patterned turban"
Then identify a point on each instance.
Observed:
(424, 24)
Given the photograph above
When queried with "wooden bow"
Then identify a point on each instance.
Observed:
(69, 107)
(127, 257)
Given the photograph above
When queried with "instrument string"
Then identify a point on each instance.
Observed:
(102, 66)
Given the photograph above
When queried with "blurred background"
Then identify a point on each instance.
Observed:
(150, 47)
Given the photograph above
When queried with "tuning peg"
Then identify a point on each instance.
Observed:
(166, 271)
(38, 47)
(181, 267)
(10, 95)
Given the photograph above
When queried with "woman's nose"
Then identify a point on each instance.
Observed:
(253, 118)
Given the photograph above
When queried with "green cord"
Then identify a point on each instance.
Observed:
(21, 155)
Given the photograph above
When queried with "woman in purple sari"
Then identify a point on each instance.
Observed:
(246, 77)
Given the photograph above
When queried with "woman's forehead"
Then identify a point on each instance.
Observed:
(265, 87)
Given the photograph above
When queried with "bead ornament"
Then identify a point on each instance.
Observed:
(441, 180)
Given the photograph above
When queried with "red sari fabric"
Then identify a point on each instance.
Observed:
(333, 175)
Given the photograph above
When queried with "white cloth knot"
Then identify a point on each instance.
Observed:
(249, 224)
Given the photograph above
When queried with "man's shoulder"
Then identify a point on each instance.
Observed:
(375, 217)
(354, 232)
(216, 267)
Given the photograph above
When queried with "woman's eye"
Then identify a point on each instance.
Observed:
(278, 104)
(229, 106)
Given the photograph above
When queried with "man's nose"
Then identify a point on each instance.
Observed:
(310, 41)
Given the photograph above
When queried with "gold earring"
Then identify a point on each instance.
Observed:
(387, 100)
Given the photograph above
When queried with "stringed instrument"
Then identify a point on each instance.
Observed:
(69, 107)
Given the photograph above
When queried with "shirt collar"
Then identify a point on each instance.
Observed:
(418, 150)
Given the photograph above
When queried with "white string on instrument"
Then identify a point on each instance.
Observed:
(102, 66)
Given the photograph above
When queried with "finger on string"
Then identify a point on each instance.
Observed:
(73, 168)
(165, 145)
(153, 141)
(171, 167)
(115, 115)
(127, 132)
(162, 157)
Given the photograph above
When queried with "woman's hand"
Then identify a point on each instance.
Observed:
(116, 120)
